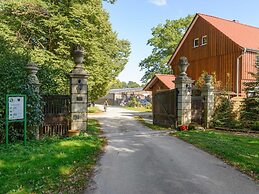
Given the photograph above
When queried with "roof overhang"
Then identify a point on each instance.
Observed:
(149, 85)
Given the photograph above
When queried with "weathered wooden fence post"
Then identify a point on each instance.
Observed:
(208, 96)
(184, 85)
(78, 90)
(32, 70)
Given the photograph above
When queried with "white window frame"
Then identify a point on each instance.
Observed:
(194, 45)
(202, 40)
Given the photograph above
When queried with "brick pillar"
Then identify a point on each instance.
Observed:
(78, 91)
(208, 96)
(184, 85)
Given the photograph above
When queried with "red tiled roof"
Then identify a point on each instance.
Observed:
(167, 80)
(244, 35)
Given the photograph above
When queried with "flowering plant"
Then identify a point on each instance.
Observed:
(183, 128)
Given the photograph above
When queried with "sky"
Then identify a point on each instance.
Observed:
(134, 19)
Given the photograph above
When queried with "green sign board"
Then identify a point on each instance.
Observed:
(15, 112)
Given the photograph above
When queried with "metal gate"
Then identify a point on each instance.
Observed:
(165, 108)
(56, 112)
(197, 107)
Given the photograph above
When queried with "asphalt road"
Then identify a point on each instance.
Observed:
(140, 161)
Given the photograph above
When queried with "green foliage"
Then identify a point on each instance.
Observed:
(15, 81)
(50, 165)
(117, 84)
(223, 115)
(133, 102)
(47, 29)
(200, 81)
(250, 107)
(165, 38)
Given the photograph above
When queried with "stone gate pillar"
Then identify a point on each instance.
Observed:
(78, 91)
(184, 85)
(208, 96)
(32, 70)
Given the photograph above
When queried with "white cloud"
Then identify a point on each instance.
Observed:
(158, 2)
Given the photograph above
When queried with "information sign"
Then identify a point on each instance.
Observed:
(16, 107)
(15, 112)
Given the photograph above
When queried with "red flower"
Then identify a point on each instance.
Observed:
(183, 128)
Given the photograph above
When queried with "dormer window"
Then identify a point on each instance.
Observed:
(204, 40)
(195, 42)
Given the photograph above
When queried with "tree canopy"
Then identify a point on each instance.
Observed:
(165, 38)
(47, 29)
(118, 84)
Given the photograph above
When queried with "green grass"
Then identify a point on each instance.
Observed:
(50, 166)
(239, 150)
(139, 109)
(151, 126)
(94, 109)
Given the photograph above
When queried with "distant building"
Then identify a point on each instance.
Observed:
(117, 96)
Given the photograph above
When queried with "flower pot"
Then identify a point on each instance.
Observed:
(72, 133)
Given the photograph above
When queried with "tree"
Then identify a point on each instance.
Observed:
(47, 29)
(165, 39)
(118, 84)
(250, 107)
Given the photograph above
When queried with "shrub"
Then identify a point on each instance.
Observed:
(255, 126)
(15, 81)
(133, 102)
(223, 115)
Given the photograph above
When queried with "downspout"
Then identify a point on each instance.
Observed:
(238, 70)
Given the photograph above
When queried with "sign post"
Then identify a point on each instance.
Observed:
(15, 112)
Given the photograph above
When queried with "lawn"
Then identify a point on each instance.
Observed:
(52, 165)
(150, 125)
(139, 109)
(239, 150)
(94, 109)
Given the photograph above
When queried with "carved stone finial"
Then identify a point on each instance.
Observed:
(32, 70)
(78, 54)
(183, 65)
(208, 79)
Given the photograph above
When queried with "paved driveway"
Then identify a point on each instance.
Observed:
(140, 161)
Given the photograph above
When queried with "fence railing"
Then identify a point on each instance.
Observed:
(56, 111)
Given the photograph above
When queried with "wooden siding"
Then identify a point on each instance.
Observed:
(247, 66)
(218, 55)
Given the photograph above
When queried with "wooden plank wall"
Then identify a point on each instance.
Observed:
(218, 55)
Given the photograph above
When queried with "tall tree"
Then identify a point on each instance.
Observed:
(47, 29)
(165, 39)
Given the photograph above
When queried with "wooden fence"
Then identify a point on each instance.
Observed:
(56, 115)
(165, 108)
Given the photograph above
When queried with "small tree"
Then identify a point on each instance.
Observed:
(250, 108)
(224, 115)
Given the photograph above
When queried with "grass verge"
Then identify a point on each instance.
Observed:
(94, 109)
(139, 109)
(150, 125)
(239, 150)
(51, 165)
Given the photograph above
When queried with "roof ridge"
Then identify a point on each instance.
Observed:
(202, 14)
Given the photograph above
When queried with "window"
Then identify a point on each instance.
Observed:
(204, 40)
(196, 42)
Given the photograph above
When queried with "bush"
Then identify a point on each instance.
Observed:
(223, 115)
(15, 81)
(255, 126)
(133, 102)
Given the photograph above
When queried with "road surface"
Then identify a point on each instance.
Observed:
(138, 160)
